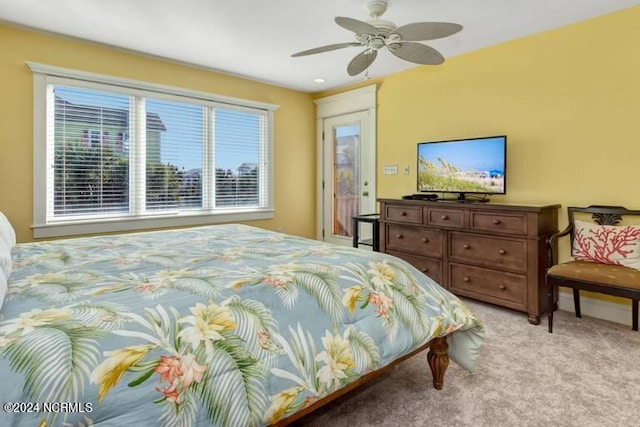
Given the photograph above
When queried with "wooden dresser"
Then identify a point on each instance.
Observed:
(490, 252)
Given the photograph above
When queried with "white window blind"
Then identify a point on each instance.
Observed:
(90, 160)
(238, 135)
(174, 155)
(130, 152)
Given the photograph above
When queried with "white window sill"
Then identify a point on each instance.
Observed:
(69, 228)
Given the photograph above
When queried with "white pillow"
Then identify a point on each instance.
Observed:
(5, 260)
(7, 233)
(7, 241)
(3, 288)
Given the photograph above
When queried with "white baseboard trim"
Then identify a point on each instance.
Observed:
(606, 310)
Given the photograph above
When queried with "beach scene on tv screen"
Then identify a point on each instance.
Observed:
(471, 166)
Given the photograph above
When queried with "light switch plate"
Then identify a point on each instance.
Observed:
(390, 170)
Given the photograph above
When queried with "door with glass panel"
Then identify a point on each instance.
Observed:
(348, 175)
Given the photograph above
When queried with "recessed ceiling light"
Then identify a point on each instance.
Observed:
(318, 80)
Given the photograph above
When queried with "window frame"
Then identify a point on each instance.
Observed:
(46, 75)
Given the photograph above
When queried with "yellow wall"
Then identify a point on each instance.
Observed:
(568, 99)
(294, 120)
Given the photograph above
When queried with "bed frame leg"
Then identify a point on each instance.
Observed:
(438, 360)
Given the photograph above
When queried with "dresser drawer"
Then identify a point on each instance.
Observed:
(497, 222)
(408, 214)
(490, 251)
(416, 240)
(487, 284)
(430, 267)
(449, 218)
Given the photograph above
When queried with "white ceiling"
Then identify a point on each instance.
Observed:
(255, 38)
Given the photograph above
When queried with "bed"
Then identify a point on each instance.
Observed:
(226, 325)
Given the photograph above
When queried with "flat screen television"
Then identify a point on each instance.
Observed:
(463, 166)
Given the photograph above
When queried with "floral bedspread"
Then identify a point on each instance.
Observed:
(226, 325)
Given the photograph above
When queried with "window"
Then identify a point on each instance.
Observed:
(114, 154)
(95, 137)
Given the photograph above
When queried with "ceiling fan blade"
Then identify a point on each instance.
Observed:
(326, 48)
(358, 27)
(361, 61)
(427, 30)
(416, 53)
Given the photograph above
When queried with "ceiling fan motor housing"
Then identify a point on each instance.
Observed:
(376, 7)
(383, 27)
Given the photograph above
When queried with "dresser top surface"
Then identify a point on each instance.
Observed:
(471, 205)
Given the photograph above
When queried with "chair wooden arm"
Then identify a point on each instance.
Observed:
(551, 259)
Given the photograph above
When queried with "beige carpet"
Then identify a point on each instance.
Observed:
(587, 373)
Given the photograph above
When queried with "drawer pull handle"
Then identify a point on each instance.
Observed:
(403, 214)
(503, 287)
(466, 279)
(425, 269)
(445, 217)
(425, 240)
(399, 236)
(466, 246)
(496, 221)
(502, 251)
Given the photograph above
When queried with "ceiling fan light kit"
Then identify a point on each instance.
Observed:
(377, 33)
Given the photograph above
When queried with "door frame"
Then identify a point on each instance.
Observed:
(353, 101)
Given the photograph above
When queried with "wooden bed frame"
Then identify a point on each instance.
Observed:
(438, 362)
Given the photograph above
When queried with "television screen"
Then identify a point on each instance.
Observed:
(474, 165)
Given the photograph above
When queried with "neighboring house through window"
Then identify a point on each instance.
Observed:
(115, 154)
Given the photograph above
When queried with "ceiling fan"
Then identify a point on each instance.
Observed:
(400, 41)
